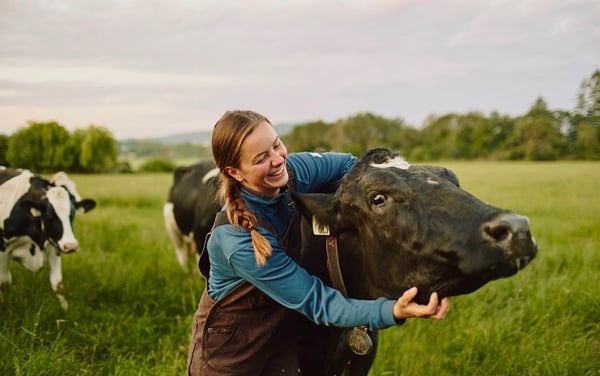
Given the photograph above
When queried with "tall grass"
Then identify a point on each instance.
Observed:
(131, 305)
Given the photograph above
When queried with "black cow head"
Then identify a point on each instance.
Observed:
(400, 226)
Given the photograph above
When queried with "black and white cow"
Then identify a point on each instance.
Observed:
(36, 223)
(190, 208)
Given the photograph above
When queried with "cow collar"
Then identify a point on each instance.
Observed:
(333, 264)
(359, 340)
(333, 259)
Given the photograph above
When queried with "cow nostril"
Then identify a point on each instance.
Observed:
(498, 231)
(507, 225)
(70, 247)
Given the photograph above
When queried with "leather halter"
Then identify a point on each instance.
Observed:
(333, 259)
(333, 264)
(358, 339)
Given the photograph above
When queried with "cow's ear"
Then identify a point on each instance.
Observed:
(319, 205)
(85, 205)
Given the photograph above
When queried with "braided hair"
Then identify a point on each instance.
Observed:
(228, 135)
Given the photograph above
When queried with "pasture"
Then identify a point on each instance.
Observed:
(131, 305)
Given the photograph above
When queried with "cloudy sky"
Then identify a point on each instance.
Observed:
(146, 68)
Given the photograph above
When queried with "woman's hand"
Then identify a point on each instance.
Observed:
(405, 307)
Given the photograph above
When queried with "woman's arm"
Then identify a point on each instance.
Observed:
(293, 287)
(315, 170)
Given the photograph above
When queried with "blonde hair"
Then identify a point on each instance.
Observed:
(228, 135)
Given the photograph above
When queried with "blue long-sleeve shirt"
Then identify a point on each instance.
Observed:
(232, 256)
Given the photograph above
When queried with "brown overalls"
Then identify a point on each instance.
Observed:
(246, 332)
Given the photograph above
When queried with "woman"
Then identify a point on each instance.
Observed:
(246, 319)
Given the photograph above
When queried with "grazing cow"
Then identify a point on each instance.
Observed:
(36, 220)
(190, 209)
(398, 226)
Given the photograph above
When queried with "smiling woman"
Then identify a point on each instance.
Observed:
(247, 321)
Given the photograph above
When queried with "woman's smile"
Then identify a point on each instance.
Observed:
(278, 172)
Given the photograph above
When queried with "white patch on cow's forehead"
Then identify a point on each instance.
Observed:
(60, 200)
(397, 162)
(209, 175)
(61, 178)
(431, 181)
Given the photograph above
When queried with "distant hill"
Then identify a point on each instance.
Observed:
(202, 137)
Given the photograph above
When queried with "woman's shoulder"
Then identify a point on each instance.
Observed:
(312, 170)
(234, 237)
(229, 237)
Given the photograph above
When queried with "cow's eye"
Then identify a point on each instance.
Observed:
(378, 200)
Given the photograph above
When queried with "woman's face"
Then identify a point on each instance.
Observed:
(262, 167)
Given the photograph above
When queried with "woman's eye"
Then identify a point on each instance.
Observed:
(260, 159)
(378, 200)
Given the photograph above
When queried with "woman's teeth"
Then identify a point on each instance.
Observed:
(278, 172)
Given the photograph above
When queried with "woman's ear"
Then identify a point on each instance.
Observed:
(234, 173)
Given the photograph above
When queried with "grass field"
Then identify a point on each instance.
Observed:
(131, 305)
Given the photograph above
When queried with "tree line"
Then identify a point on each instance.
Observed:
(538, 135)
(49, 147)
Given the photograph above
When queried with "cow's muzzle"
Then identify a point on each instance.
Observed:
(63, 247)
(510, 232)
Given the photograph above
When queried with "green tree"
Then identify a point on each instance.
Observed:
(159, 164)
(439, 137)
(587, 141)
(98, 149)
(537, 135)
(406, 140)
(3, 150)
(363, 131)
(308, 137)
(474, 136)
(584, 123)
(73, 150)
(588, 98)
(502, 127)
(40, 146)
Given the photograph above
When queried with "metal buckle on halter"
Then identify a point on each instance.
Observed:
(360, 341)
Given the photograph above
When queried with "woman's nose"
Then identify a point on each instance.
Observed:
(277, 159)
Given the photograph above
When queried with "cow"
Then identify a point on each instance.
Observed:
(190, 208)
(391, 226)
(36, 225)
(394, 225)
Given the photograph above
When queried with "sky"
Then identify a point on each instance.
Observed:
(150, 68)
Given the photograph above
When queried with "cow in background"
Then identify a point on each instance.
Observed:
(36, 225)
(190, 209)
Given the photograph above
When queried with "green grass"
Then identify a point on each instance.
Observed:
(131, 305)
